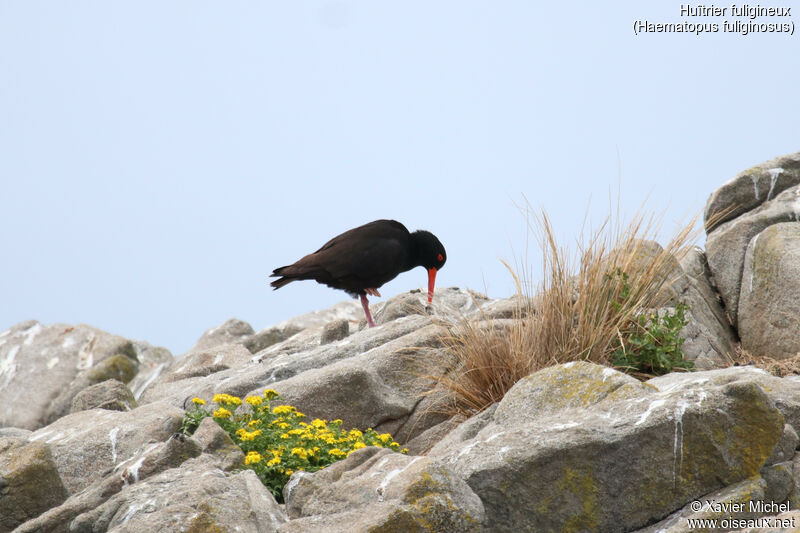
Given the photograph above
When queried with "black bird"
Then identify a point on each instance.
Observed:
(362, 259)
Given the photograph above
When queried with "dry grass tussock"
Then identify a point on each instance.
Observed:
(576, 312)
(777, 367)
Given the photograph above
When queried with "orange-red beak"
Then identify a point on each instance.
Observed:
(431, 283)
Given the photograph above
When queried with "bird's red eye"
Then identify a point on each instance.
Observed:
(440, 257)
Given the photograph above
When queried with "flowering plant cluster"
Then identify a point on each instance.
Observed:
(277, 441)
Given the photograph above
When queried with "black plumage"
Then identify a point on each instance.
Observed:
(361, 260)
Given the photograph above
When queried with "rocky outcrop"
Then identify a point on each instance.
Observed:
(769, 306)
(709, 337)
(90, 441)
(88, 444)
(750, 189)
(196, 497)
(586, 422)
(42, 368)
(737, 215)
(110, 394)
(727, 245)
(376, 489)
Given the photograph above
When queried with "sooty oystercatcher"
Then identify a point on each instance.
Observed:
(362, 259)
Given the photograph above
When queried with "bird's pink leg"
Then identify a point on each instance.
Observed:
(373, 292)
(365, 305)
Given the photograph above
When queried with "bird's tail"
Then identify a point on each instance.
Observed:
(278, 283)
(285, 280)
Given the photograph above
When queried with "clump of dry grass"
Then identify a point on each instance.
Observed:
(576, 312)
(776, 367)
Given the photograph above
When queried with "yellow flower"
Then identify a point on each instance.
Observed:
(336, 452)
(338, 421)
(270, 394)
(355, 434)
(300, 452)
(283, 409)
(227, 399)
(283, 425)
(404, 450)
(285, 436)
(289, 471)
(249, 435)
(241, 431)
(274, 461)
(222, 413)
(254, 423)
(319, 424)
(296, 432)
(385, 438)
(198, 401)
(252, 457)
(359, 445)
(255, 401)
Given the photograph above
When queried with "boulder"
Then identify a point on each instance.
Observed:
(751, 188)
(709, 339)
(29, 482)
(279, 362)
(450, 302)
(87, 445)
(732, 502)
(216, 442)
(110, 394)
(375, 489)
(349, 309)
(785, 448)
(726, 246)
(675, 446)
(233, 331)
(769, 303)
(158, 458)
(15, 433)
(783, 392)
(152, 361)
(335, 331)
(516, 306)
(742, 502)
(42, 368)
(196, 497)
(299, 352)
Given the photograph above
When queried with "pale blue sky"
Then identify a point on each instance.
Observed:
(159, 159)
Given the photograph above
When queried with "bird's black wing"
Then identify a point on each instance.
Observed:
(372, 230)
(364, 257)
(365, 263)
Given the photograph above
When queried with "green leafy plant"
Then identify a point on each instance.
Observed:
(276, 440)
(649, 343)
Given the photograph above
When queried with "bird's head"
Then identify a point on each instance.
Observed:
(431, 255)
